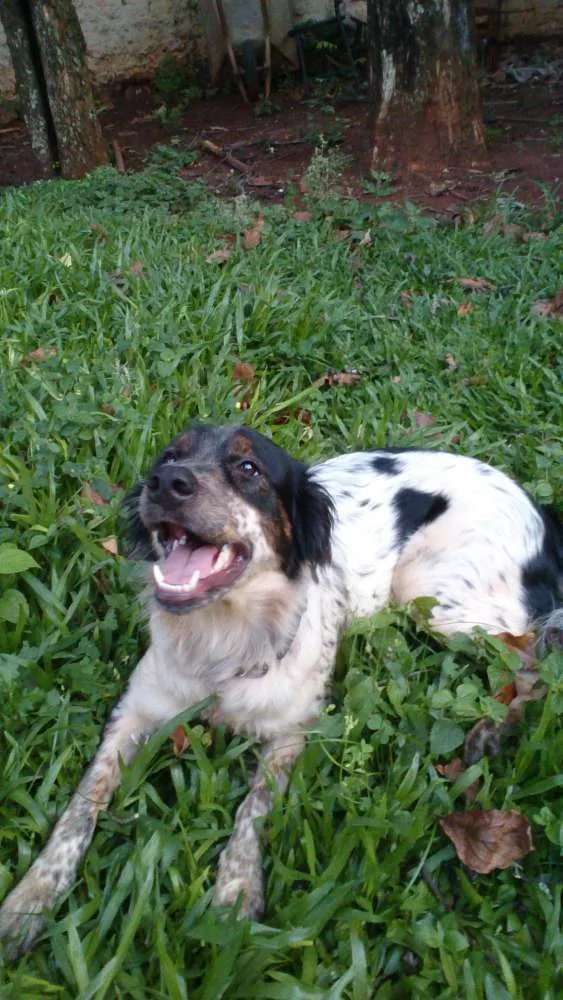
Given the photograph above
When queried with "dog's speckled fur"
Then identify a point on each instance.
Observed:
(326, 545)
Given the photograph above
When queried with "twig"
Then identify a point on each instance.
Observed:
(119, 161)
(222, 154)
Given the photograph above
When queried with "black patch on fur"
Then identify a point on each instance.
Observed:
(307, 504)
(139, 537)
(386, 464)
(415, 508)
(542, 576)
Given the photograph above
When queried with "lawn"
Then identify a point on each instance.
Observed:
(120, 323)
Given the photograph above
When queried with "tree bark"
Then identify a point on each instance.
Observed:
(80, 143)
(30, 88)
(52, 80)
(423, 84)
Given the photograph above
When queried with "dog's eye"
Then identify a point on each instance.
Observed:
(249, 469)
(169, 457)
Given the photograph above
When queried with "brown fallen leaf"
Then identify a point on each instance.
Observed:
(367, 239)
(242, 372)
(423, 419)
(452, 771)
(92, 496)
(302, 216)
(472, 380)
(450, 363)
(219, 256)
(285, 416)
(406, 297)
(261, 182)
(475, 284)
(342, 234)
(488, 839)
(396, 379)
(253, 235)
(465, 308)
(505, 694)
(110, 545)
(39, 354)
(136, 268)
(485, 736)
(180, 741)
(553, 307)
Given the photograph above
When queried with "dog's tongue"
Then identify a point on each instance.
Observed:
(181, 564)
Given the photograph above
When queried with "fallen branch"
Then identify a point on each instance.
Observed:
(222, 154)
(119, 161)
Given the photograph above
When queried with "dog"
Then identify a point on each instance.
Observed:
(256, 563)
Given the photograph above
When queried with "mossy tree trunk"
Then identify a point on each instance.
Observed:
(423, 84)
(52, 79)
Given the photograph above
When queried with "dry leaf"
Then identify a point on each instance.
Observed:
(342, 234)
(284, 417)
(136, 268)
(302, 216)
(39, 354)
(450, 363)
(505, 694)
(66, 260)
(92, 496)
(554, 307)
(475, 284)
(485, 736)
(110, 545)
(472, 380)
(406, 297)
(486, 840)
(452, 771)
(253, 235)
(218, 256)
(465, 308)
(396, 379)
(180, 741)
(439, 188)
(367, 239)
(261, 182)
(243, 372)
(424, 419)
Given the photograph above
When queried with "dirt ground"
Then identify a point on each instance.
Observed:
(523, 109)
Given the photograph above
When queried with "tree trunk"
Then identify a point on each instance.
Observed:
(423, 84)
(49, 56)
(29, 82)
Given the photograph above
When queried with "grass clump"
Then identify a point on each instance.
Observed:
(118, 327)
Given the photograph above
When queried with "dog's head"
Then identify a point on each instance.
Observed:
(220, 505)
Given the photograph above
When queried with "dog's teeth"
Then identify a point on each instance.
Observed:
(223, 559)
(157, 573)
(188, 587)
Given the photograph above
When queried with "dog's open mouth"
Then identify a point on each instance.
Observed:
(194, 570)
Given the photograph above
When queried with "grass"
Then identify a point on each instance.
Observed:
(139, 334)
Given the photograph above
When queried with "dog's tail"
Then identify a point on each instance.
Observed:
(550, 625)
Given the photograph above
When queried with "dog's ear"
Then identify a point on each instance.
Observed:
(312, 520)
(139, 538)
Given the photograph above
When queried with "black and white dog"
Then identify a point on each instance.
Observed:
(257, 564)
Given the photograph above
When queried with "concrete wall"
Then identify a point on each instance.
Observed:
(127, 38)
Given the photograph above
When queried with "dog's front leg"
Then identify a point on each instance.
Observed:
(54, 871)
(240, 865)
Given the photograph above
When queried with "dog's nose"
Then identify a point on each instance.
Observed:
(171, 483)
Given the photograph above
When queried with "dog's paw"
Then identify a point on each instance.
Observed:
(21, 914)
(240, 878)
